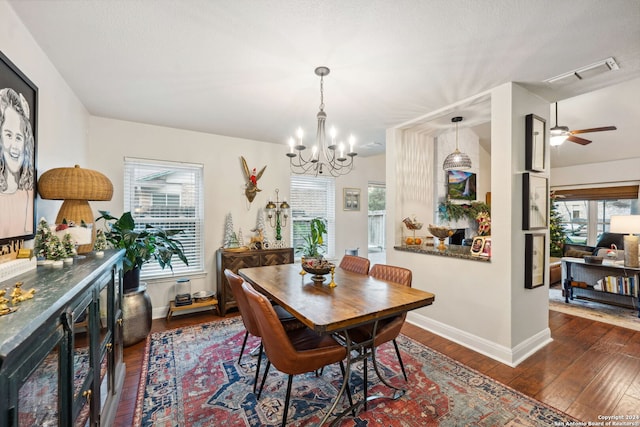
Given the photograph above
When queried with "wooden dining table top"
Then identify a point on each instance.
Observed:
(357, 299)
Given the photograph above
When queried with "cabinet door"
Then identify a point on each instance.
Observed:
(82, 359)
(34, 386)
(277, 257)
(234, 262)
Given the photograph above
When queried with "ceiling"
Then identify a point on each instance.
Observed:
(245, 68)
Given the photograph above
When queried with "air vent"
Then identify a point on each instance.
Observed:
(591, 70)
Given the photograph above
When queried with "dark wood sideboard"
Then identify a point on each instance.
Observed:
(237, 260)
(61, 351)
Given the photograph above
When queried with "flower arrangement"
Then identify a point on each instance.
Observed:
(484, 223)
(453, 211)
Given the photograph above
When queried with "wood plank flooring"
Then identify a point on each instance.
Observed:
(589, 369)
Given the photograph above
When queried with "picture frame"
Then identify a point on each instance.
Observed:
(461, 185)
(535, 202)
(535, 143)
(476, 245)
(351, 199)
(18, 155)
(486, 247)
(534, 263)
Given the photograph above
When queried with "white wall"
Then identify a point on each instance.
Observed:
(618, 172)
(62, 121)
(112, 140)
(484, 305)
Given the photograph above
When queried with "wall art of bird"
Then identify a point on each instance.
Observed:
(251, 188)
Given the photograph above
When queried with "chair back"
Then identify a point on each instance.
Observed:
(235, 283)
(277, 345)
(356, 264)
(392, 273)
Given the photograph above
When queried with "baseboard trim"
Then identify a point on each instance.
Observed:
(509, 356)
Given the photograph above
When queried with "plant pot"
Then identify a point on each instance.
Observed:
(136, 315)
(131, 280)
(57, 263)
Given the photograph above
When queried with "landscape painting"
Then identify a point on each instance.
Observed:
(461, 185)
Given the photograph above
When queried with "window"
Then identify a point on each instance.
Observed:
(586, 213)
(313, 197)
(167, 195)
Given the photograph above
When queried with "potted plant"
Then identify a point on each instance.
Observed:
(140, 246)
(313, 246)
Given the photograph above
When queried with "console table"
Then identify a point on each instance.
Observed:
(61, 351)
(580, 278)
(237, 260)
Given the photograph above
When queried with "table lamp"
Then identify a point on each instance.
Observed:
(627, 224)
(76, 186)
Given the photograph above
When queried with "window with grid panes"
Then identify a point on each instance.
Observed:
(313, 197)
(169, 196)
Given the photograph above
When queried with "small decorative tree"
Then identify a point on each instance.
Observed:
(557, 234)
(69, 245)
(55, 249)
(43, 234)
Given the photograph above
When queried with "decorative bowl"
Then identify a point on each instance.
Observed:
(440, 232)
(317, 267)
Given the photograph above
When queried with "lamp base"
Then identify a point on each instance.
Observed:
(631, 251)
(78, 211)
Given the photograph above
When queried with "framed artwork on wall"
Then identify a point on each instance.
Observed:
(18, 128)
(476, 245)
(535, 206)
(535, 131)
(534, 260)
(351, 200)
(461, 185)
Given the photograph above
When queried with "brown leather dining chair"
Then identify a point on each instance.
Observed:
(250, 323)
(356, 264)
(291, 352)
(388, 329)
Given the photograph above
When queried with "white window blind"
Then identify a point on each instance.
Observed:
(169, 196)
(313, 197)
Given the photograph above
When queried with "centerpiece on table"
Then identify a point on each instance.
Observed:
(312, 251)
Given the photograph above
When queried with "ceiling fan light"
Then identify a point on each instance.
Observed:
(556, 140)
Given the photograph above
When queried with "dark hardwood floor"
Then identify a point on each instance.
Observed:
(589, 369)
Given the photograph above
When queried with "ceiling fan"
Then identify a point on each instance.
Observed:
(561, 133)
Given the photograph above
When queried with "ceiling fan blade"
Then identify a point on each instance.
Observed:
(575, 132)
(578, 140)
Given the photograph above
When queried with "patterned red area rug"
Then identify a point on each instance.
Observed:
(190, 377)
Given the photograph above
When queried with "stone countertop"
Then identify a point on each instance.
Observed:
(452, 251)
(55, 289)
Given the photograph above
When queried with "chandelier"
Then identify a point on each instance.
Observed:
(456, 160)
(330, 157)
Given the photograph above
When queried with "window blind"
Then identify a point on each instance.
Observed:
(169, 196)
(313, 197)
(598, 193)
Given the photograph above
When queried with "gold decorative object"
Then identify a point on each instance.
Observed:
(333, 284)
(18, 295)
(251, 188)
(4, 308)
(441, 233)
(76, 186)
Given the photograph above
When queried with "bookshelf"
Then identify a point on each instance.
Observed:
(609, 283)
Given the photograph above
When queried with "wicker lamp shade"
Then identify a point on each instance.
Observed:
(76, 186)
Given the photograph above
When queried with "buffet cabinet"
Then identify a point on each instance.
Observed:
(61, 351)
(237, 260)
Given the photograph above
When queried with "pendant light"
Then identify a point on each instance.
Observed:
(456, 160)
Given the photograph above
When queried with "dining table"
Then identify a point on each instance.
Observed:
(356, 299)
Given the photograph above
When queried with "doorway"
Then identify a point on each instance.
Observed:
(377, 215)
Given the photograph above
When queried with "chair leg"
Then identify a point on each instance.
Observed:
(244, 343)
(365, 380)
(286, 401)
(264, 377)
(255, 381)
(347, 388)
(395, 344)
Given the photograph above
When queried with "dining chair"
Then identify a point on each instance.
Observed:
(250, 323)
(292, 352)
(355, 264)
(387, 329)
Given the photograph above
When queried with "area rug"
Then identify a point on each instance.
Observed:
(191, 377)
(606, 313)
